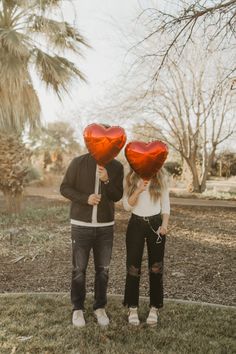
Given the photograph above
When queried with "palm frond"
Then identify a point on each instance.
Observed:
(41, 4)
(19, 109)
(71, 67)
(13, 41)
(60, 33)
(9, 4)
(44, 4)
(56, 71)
(20, 22)
(13, 72)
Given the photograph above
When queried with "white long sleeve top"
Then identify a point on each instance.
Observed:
(145, 206)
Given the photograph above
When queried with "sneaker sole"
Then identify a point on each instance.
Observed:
(152, 324)
(78, 326)
(100, 324)
(134, 324)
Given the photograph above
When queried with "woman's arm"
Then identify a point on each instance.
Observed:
(164, 226)
(129, 202)
(165, 210)
(132, 200)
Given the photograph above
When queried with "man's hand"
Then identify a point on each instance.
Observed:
(94, 199)
(103, 175)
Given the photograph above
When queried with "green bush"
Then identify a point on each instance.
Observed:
(174, 168)
(33, 174)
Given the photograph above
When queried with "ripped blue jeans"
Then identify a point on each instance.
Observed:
(84, 238)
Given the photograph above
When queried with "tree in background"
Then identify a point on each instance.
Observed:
(196, 117)
(225, 164)
(190, 102)
(214, 21)
(32, 39)
(54, 141)
(13, 161)
(190, 111)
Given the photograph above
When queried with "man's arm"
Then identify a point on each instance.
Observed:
(67, 187)
(114, 187)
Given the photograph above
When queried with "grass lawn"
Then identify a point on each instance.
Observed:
(42, 324)
(35, 252)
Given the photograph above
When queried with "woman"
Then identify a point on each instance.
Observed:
(150, 206)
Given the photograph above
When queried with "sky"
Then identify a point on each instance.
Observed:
(104, 24)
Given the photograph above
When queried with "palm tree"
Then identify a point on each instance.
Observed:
(26, 29)
(31, 38)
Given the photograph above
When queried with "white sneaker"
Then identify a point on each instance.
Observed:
(101, 316)
(152, 317)
(133, 316)
(78, 318)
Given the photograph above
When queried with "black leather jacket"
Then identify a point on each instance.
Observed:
(79, 183)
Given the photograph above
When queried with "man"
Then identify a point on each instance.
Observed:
(92, 190)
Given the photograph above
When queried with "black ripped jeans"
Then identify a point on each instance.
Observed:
(137, 232)
(100, 239)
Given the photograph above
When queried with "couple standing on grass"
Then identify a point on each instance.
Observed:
(93, 190)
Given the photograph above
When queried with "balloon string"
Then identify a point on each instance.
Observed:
(100, 187)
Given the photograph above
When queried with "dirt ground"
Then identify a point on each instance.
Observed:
(35, 252)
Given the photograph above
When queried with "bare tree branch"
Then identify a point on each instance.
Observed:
(217, 21)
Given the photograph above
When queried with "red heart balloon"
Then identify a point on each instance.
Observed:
(104, 144)
(146, 159)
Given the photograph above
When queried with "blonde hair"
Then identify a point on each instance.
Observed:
(157, 183)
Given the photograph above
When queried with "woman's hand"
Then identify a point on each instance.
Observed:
(165, 221)
(142, 186)
(163, 230)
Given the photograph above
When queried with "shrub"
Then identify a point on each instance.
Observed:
(174, 168)
(33, 174)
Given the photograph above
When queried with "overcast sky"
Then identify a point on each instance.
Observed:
(104, 24)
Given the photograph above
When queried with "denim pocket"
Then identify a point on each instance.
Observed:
(81, 235)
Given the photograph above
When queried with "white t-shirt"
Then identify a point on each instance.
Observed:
(146, 206)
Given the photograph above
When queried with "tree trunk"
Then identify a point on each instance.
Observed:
(203, 182)
(195, 183)
(206, 170)
(13, 202)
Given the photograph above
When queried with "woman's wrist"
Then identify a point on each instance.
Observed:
(138, 191)
(164, 225)
(133, 198)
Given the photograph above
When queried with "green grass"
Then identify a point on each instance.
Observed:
(35, 231)
(42, 324)
(36, 215)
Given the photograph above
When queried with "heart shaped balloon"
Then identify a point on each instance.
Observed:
(146, 159)
(104, 144)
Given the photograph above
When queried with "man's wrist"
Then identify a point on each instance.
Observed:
(107, 181)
